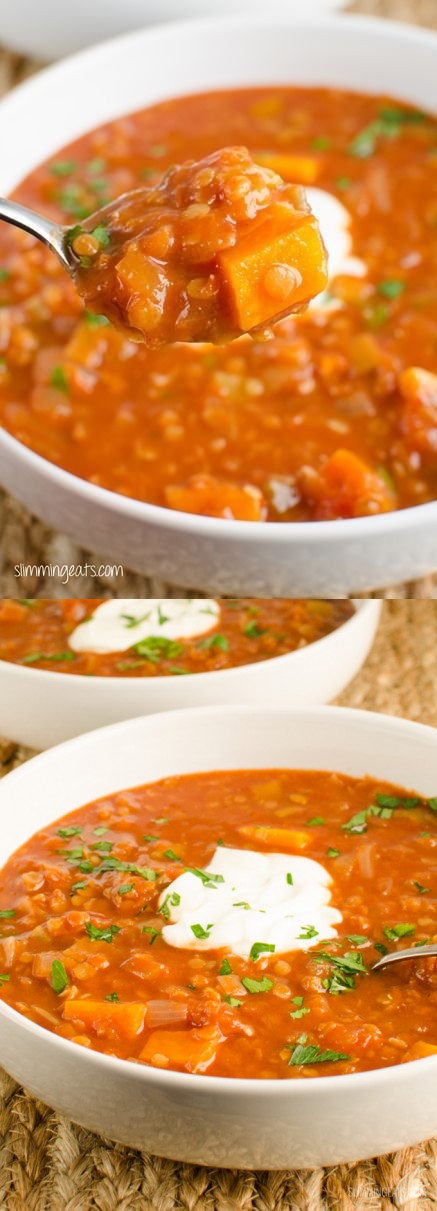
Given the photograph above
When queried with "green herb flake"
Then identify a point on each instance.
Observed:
(314, 1055)
(332, 852)
(308, 932)
(172, 857)
(96, 321)
(233, 1002)
(78, 886)
(289, 878)
(59, 380)
(260, 948)
(101, 234)
(152, 933)
(125, 889)
(393, 932)
(200, 932)
(423, 891)
(58, 977)
(391, 288)
(103, 847)
(253, 631)
(7, 913)
(130, 868)
(221, 642)
(150, 838)
(254, 986)
(316, 820)
(225, 968)
(100, 830)
(104, 934)
(62, 168)
(4, 978)
(113, 996)
(321, 143)
(4, 275)
(357, 939)
(208, 879)
(68, 832)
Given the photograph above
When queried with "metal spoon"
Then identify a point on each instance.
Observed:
(412, 952)
(50, 233)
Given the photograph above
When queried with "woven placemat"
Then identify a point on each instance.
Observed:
(48, 1164)
(25, 540)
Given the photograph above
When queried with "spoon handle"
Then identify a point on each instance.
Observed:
(411, 952)
(51, 234)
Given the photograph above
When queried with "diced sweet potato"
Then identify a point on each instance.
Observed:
(126, 1019)
(303, 169)
(420, 1051)
(278, 266)
(213, 497)
(347, 487)
(418, 388)
(11, 611)
(193, 1050)
(280, 838)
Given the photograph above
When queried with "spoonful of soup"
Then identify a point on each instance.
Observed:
(219, 247)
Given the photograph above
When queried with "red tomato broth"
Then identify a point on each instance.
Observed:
(384, 878)
(247, 631)
(319, 423)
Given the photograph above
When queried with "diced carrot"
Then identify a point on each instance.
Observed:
(278, 266)
(347, 487)
(284, 838)
(303, 169)
(11, 611)
(418, 388)
(144, 965)
(193, 1050)
(211, 497)
(419, 1051)
(126, 1019)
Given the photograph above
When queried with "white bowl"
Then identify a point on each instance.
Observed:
(205, 1119)
(307, 559)
(42, 708)
(51, 29)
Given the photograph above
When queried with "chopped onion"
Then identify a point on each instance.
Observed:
(165, 1013)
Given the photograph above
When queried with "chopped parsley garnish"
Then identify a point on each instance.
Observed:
(308, 931)
(332, 852)
(252, 630)
(214, 641)
(63, 168)
(130, 868)
(56, 656)
(86, 867)
(96, 321)
(149, 838)
(356, 938)
(7, 913)
(391, 288)
(172, 857)
(316, 820)
(58, 976)
(421, 889)
(321, 143)
(289, 878)
(343, 182)
(157, 647)
(225, 968)
(101, 234)
(208, 879)
(125, 889)
(152, 933)
(383, 950)
(300, 1011)
(105, 934)
(399, 931)
(100, 830)
(58, 379)
(71, 855)
(260, 948)
(4, 275)
(78, 886)
(346, 968)
(4, 978)
(233, 1002)
(252, 986)
(313, 1055)
(68, 832)
(200, 932)
(388, 124)
(103, 847)
(113, 996)
(175, 899)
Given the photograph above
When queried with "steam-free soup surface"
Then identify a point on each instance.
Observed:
(336, 417)
(226, 922)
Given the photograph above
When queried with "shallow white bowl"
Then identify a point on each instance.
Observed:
(51, 29)
(42, 708)
(204, 1119)
(307, 559)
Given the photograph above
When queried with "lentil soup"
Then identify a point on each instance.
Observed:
(226, 922)
(336, 416)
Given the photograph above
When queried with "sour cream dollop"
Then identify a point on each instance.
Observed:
(335, 225)
(117, 625)
(244, 897)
